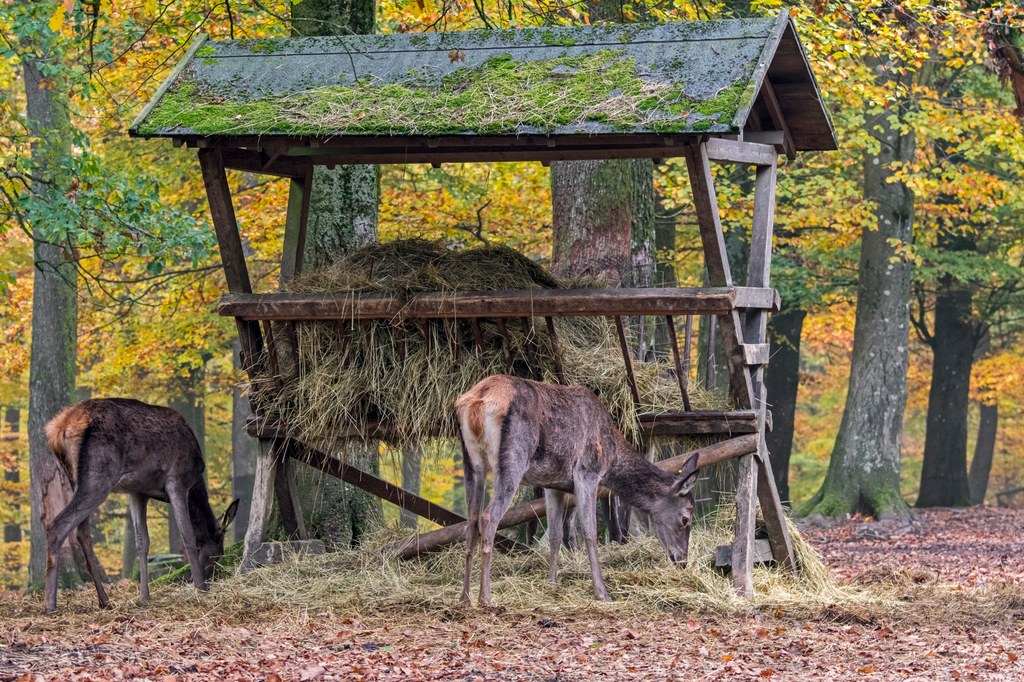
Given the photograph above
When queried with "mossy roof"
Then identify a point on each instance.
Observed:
(622, 80)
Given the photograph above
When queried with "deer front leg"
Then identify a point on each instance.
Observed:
(554, 501)
(475, 480)
(179, 503)
(137, 508)
(586, 510)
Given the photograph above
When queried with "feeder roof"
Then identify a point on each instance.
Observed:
(540, 86)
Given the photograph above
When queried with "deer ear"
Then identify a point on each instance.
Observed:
(229, 515)
(687, 478)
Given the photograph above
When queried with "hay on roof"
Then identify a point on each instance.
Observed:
(409, 373)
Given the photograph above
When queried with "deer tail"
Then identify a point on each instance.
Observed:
(470, 410)
(64, 436)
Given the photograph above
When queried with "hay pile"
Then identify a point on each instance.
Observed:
(638, 574)
(410, 374)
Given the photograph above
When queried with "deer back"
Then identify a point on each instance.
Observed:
(558, 429)
(136, 446)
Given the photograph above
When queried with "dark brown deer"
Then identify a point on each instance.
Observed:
(559, 438)
(126, 446)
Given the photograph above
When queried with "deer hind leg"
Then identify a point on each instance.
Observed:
(475, 480)
(554, 501)
(82, 504)
(507, 477)
(179, 502)
(137, 508)
(586, 509)
(91, 561)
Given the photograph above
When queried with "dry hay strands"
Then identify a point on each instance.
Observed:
(353, 374)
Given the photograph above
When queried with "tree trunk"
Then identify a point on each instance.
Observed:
(243, 453)
(342, 215)
(782, 381)
(12, 415)
(52, 365)
(863, 474)
(190, 403)
(944, 470)
(984, 448)
(592, 219)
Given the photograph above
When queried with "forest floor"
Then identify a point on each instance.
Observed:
(947, 602)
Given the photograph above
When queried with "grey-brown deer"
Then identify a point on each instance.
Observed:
(126, 446)
(559, 438)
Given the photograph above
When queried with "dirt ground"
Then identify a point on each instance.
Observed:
(951, 608)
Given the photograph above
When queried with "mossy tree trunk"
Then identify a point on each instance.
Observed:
(863, 473)
(52, 365)
(342, 215)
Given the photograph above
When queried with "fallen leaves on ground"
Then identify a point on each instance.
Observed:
(959, 574)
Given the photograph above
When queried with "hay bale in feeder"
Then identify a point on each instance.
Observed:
(409, 373)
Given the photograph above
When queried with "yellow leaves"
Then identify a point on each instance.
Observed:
(57, 18)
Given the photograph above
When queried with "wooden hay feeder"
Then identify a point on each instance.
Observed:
(737, 92)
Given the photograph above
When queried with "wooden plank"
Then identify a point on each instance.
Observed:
(733, 151)
(508, 303)
(691, 423)
(760, 298)
(756, 354)
(653, 424)
(529, 511)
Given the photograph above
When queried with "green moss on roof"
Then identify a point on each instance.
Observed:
(502, 95)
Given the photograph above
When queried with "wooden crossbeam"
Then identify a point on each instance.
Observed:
(476, 304)
(706, 422)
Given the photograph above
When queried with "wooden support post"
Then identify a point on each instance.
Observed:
(706, 204)
(630, 378)
(232, 256)
(559, 372)
(506, 347)
(262, 499)
(681, 373)
(295, 226)
(756, 332)
(288, 502)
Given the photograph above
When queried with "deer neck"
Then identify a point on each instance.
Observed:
(635, 480)
(204, 523)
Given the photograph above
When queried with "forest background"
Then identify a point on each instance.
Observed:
(149, 277)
